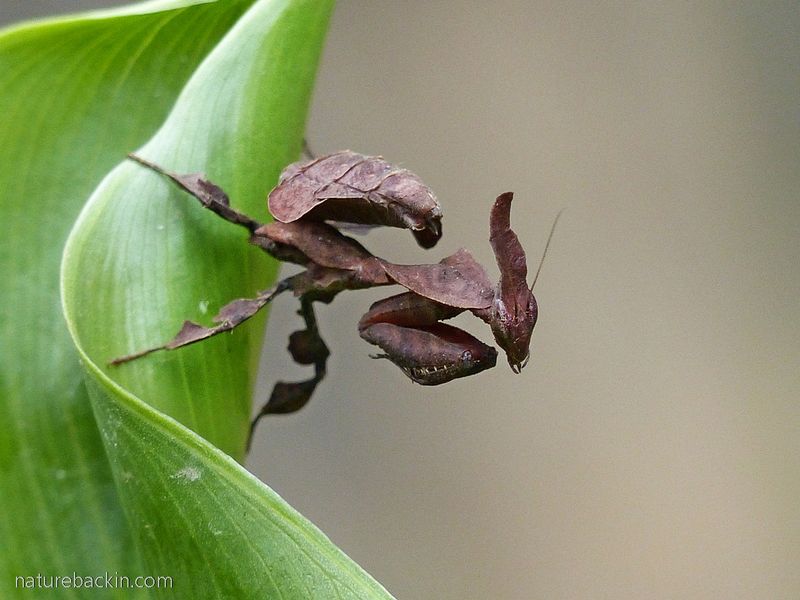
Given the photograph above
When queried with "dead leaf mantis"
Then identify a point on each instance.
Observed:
(346, 187)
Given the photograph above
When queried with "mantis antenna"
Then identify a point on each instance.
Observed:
(546, 246)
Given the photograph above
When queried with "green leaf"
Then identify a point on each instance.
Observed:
(64, 86)
(76, 95)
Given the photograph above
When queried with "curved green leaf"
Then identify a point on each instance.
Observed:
(75, 95)
(141, 258)
(81, 93)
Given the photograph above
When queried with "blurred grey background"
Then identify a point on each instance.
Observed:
(651, 449)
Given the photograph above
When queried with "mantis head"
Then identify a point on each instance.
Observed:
(514, 310)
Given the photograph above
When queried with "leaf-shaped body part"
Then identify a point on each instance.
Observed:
(354, 188)
(509, 253)
(457, 280)
(207, 193)
(320, 242)
(326, 247)
(433, 354)
(407, 310)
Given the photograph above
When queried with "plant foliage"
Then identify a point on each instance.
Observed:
(129, 470)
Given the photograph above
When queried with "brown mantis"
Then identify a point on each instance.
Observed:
(352, 188)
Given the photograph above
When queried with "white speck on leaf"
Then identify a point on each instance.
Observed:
(188, 474)
(214, 531)
(203, 306)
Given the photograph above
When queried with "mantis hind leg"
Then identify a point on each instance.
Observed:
(229, 317)
(207, 193)
(307, 348)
